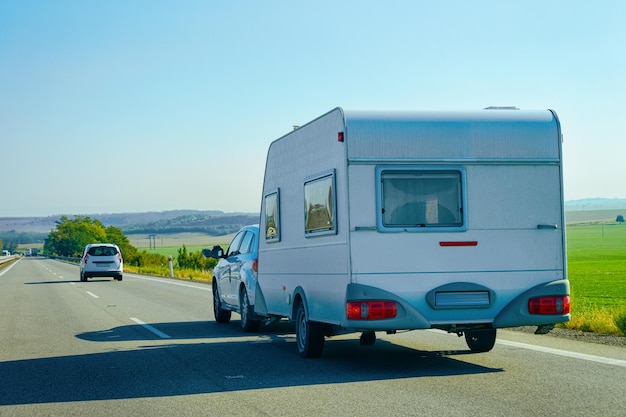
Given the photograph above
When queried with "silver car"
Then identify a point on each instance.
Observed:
(101, 260)
(234, 279)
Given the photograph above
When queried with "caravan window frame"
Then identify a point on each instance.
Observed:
(320, 181)
(456, 206)
(275, 235)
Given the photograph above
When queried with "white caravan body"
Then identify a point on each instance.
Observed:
(384, 221)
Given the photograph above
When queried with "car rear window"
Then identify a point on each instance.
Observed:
(102, 251)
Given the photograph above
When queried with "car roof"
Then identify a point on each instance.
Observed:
(253, 227)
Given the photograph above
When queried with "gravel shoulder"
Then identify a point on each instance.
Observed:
(590, 337)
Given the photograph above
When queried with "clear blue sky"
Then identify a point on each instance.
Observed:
(127, 106)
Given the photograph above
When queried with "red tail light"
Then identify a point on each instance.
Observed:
(549, 305)
(255, 265)
(371, 310)
(85, 258)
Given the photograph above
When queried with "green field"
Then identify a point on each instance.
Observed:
(168, 245)
(173, 250)
(597, 273)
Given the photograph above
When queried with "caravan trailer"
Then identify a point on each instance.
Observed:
(388, 221)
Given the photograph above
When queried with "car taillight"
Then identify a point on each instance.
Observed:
(119, 257)
(371, 310)
(549, 305)
(255, 265)
(85, 258)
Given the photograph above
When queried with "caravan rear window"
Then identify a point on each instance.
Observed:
(411, 199)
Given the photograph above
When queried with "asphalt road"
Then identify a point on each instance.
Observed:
(150, 347)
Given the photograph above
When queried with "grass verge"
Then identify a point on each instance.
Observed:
(597, 274)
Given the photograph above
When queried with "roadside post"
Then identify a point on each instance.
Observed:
(169, 259)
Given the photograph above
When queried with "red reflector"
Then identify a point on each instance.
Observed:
(255, 265)
(339, 136)
(468, 243)
(371, 310)
(549, 305)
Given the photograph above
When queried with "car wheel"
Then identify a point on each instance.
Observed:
(480, 340)
(221, 315)
(309, 334)
(118, 278)
(248, 324)
(82, 277)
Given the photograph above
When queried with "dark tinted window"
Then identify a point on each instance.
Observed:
(102, 251)
(247, 244)
(233, 248)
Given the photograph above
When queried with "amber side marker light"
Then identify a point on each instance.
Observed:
(371, 310)
(549, 305)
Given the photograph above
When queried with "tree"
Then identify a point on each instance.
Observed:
(194, 260)
(620, 219)
(72, 235)
(116, 236)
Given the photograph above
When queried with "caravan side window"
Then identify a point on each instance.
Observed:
(416, 199)
(319, 205)
(272, 216)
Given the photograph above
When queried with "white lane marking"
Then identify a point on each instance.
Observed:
(150, 328)
(92, 294)
(567, 353)
(552, 351)
(165, 281)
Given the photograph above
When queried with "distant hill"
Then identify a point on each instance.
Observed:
(211, 222)
(592, 216)
(595, 204)
(198, 222)
(218, 223)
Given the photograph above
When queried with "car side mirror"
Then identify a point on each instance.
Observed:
(216, 252)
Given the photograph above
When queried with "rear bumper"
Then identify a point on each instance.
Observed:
(112, 273)
(513, 314)
(516, 312)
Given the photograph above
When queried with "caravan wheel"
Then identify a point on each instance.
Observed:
(480, 340)
(309, 334)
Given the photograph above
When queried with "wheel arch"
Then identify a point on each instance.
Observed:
(298, 297)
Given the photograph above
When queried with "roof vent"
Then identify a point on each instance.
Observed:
(501, 108)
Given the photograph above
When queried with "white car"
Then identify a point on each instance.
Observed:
(101, 260)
